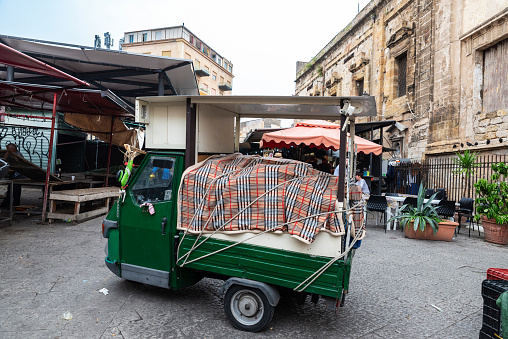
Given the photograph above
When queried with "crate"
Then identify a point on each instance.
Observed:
(491, 289)
(497, 274)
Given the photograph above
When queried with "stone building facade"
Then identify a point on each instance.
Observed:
(435, 66)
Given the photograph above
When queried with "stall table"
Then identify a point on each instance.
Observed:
(87, 203)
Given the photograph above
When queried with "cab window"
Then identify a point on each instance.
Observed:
(154, 183)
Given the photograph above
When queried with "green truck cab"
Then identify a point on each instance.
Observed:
(149, 248)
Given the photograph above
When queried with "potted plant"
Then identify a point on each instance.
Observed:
(466, 164)
(423, 222)
(492, 204)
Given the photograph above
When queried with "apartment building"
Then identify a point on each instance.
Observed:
(214, 73)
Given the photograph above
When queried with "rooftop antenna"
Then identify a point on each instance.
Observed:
(108, 42)
(97, 42)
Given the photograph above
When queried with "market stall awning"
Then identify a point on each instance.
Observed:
(315, 133)
(256, 134)
(11, 57)
(84, 101)
(128, 75)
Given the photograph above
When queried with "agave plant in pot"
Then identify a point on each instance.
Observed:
(492, 204)
(423, 222)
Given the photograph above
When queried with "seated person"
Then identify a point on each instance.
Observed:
(325, 166)
(362, 183)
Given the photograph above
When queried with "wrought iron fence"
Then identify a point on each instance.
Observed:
(441, 173)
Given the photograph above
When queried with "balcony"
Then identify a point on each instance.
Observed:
(203, 90)
(202, 72)
(225, 86)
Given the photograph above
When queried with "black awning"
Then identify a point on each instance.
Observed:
(361, 127)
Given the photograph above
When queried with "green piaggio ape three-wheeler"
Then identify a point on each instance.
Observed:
(171, 228)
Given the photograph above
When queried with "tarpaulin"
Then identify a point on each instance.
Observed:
(100, 126)
(223, 188)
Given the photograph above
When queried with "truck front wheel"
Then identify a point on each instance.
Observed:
(247, 308)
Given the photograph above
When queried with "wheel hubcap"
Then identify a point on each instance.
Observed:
(247, 307)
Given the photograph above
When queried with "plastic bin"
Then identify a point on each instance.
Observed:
(497, 274)
(491, 289)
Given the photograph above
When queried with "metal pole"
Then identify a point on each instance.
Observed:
(160, 91)
(190, 137)
(371, 139)
(380, 162)
(109, 150)
(10, 73)
(342, 158)
(50, 155)
(237, 133)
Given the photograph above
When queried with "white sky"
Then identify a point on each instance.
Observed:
(263, 39)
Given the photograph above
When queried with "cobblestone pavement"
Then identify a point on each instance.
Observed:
(47, 270)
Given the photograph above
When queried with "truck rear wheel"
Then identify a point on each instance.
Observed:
(247, 308)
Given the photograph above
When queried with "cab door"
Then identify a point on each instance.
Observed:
(147, 214)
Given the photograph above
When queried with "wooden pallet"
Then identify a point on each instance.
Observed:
(85, 203)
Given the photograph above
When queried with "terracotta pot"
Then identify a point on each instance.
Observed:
(444, 232)
(495, 233)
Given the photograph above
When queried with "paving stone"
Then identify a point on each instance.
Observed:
(394, 283)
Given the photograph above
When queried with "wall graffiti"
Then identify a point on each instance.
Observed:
(32, 142)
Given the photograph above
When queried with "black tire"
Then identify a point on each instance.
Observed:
(247, 308)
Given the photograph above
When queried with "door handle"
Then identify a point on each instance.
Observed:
(164, 223)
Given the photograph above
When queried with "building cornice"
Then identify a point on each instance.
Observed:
(166, 41)
(498, 18)
(363, 15)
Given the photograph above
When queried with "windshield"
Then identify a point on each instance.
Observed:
(154, 183)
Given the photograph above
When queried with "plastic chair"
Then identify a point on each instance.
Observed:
(446, 208)
(466, 210)
(378, 203)
(410, 201)
(441, 194)
(429, 192)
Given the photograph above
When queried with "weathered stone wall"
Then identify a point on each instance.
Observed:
(477, 126)
(445, 42)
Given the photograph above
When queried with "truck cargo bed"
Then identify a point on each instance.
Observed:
(266, 264)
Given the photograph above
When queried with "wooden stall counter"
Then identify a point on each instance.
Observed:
(84, 203)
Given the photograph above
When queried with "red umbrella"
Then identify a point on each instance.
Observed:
(315, 133)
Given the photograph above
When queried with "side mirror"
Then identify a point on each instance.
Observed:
(119, 175)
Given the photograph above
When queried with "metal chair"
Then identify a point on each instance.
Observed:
(466, 210)
(378, 203)
(429, 192)
(446, 208)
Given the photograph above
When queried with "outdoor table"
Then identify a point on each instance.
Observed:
(78, 197)
(66, 183)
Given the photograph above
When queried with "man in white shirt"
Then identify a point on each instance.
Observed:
(362, 183)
